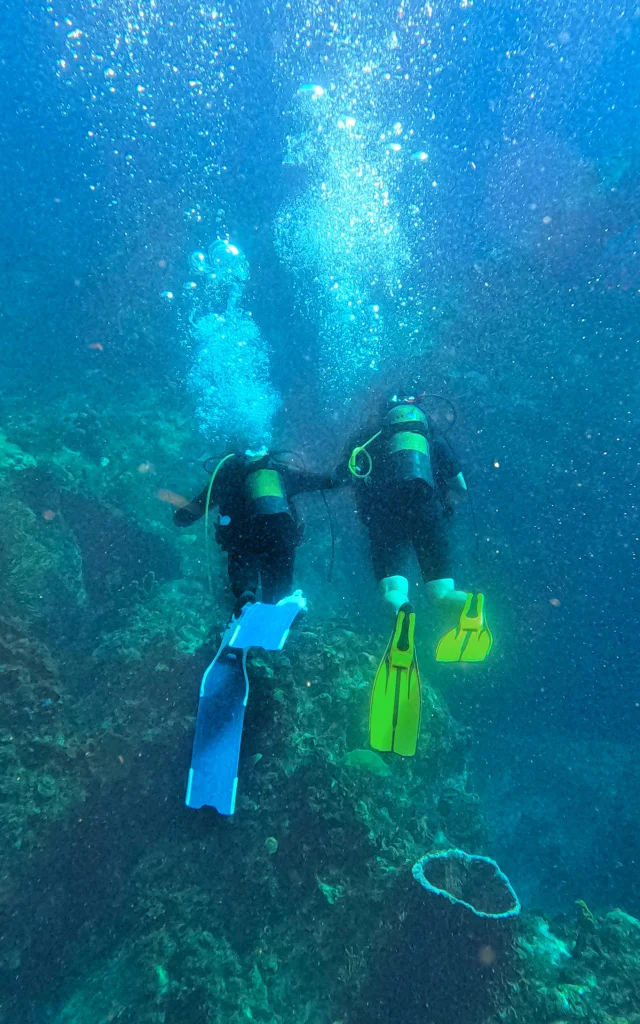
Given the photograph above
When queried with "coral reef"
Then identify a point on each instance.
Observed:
(565, 975)
(309, 824)
(41, 577)
(37, 750)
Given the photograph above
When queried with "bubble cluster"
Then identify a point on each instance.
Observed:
(221, 274)
(164, 86)
(342, 237)
(144, 69)
(355, 235)
(230, 371)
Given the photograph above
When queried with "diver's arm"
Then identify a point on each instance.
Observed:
(454, 490)
(194, 510)
(299, 482)
(341, 475)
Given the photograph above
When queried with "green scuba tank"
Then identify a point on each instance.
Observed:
(407, 453)
(265, 492)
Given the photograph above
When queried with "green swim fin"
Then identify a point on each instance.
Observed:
(471, 639)
(394, 713)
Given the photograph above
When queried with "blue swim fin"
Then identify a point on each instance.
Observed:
(213, 776)
(266, 625)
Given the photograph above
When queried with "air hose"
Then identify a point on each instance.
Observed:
(221, 463)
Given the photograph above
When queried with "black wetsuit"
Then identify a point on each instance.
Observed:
(260, 544)
(405, 515)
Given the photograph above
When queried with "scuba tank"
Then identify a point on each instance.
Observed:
(405, 441)
(264, 491)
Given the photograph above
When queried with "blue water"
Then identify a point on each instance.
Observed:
(446, 192)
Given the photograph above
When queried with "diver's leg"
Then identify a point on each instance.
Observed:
(389, 556)
(242, 567)
(277, 557)
(431, 543)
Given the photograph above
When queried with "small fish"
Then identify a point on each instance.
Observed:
(171, 498)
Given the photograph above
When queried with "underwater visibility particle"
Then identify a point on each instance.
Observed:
(166, 295)
(420, 157)
(271, 845)
(312, 90)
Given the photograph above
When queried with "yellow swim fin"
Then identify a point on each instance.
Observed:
(394, 713)
(471, 639)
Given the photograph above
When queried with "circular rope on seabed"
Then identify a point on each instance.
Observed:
(469, 880)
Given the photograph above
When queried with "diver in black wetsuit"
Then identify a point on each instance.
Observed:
(257, 524)
(405, 475)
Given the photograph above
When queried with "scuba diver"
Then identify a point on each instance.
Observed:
(257, 524)
(258, 528)
(406, 477)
